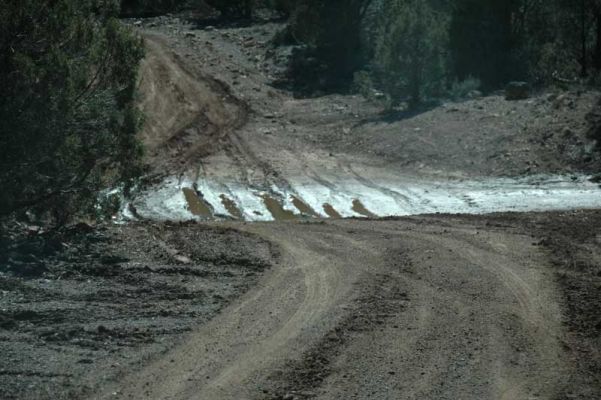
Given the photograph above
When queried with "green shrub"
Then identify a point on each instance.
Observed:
(463, 89)
(411, 56)
(149, 7)
(67, 116)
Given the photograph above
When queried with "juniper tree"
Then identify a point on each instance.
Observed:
(67, 116)
(411, 51)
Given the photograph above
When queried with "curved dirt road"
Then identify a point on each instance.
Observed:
(415, 308)
(408, 309)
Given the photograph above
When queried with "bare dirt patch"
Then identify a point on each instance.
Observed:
(488, 136)
(424, 307)
(186, 113)
(84, 306)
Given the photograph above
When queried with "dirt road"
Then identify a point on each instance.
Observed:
(418, 308)
(407, 309)
(314, 306)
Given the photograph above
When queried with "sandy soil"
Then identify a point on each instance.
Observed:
(501, 306)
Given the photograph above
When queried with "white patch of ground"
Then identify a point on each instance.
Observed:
(382, 199)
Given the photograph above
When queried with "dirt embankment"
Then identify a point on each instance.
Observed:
(186, 114)
(489, 136)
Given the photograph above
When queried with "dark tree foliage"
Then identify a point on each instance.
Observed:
(491, 41)
(285, 7)
(597, 36)
(147, 8)
(67, 116)
(535, 40)
(332, 33)
(482, 41)
(411, 51)
(228, 9)
(233, 8)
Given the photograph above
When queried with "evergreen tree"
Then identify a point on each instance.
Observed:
(332, 33)
(149, 7)
(233, 8)
(411, 51)
(67, 116)
(482, 41)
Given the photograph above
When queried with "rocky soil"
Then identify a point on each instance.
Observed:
(84, 306)
(488, 136)
(439, 307)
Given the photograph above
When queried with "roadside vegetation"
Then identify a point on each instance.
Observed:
(415, 51)
(68, 119)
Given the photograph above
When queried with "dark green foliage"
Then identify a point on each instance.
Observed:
(332, 34)
(285, 7)
(540, 41)
(228, 9)
(67, 117)
(492, 41)
(149, 7)
(233, 8)
(411, 51)
(482, 41)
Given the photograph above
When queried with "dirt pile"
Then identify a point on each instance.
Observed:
(492, 137)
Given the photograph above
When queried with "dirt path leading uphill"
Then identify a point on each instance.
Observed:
(186, 114)
(408, 309)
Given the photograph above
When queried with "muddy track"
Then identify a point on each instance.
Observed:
(388, 309)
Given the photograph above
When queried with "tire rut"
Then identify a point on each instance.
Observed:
(467, 318)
